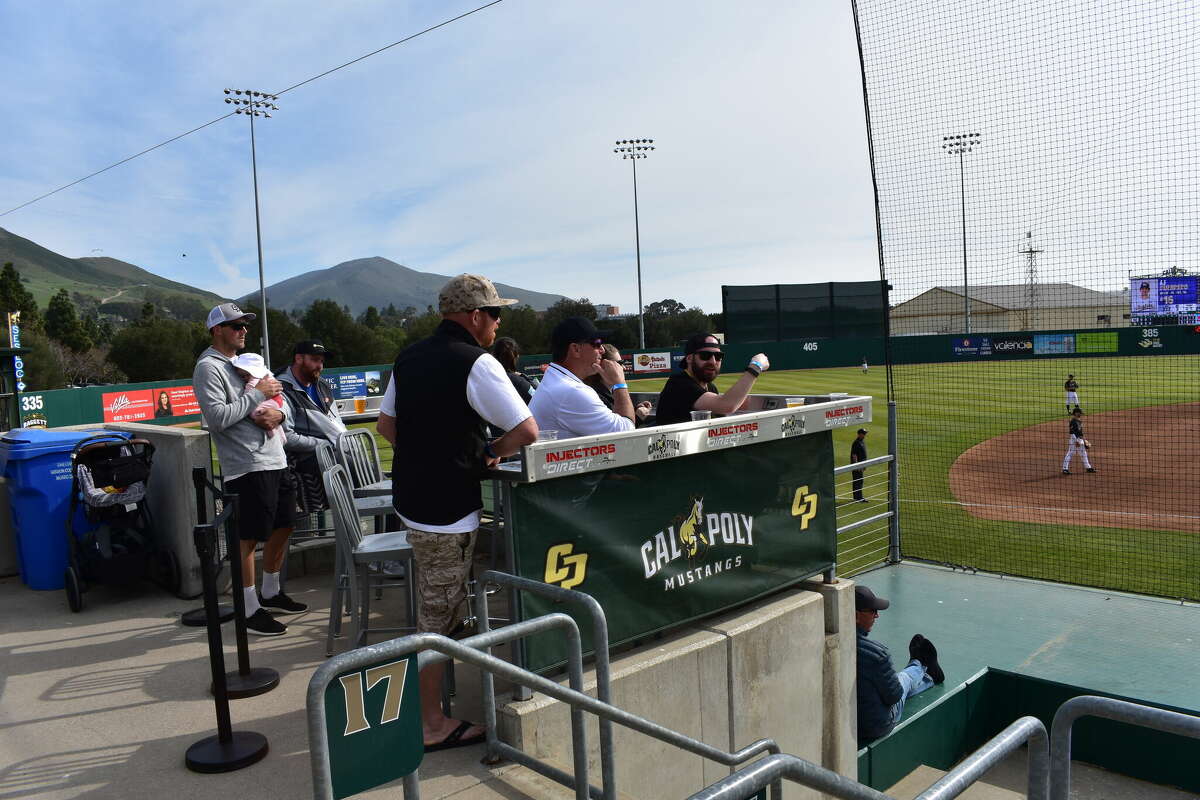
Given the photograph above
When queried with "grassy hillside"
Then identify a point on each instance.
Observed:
(97, 282)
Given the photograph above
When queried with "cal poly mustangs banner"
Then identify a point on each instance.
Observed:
(674, 540)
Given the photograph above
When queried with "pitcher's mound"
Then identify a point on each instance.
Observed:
(1146, 475)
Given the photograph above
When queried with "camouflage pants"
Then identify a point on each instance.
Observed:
(443, 564)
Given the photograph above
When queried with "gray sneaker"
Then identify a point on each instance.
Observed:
(262, 623)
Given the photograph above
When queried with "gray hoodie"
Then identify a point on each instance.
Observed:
(242, 446)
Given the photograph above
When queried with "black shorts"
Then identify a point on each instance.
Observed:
(266, 502)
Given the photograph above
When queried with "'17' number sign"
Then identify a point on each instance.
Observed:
(373, 725)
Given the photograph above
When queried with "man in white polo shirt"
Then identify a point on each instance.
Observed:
(564, 403)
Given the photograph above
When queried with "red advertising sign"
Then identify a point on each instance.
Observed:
(128, 406)
(139, 405)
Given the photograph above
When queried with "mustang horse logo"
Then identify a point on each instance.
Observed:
(691, 530)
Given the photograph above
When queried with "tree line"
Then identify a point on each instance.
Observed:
(73, 344)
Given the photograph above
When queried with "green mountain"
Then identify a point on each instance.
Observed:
(107, 284)
(376, 282)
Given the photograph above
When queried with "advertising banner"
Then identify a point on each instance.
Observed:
(1053, 343)
(348, 385)
(1105, 342)
(131, 405)
(652, 362)
(676, 539)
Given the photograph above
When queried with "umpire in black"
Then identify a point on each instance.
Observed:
(858, 452)
(448, 388)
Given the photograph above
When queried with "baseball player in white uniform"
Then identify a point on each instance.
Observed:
(1072, 388)
(1077, 444)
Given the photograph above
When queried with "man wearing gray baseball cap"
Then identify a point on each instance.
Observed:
(253, 464)
(444, 391)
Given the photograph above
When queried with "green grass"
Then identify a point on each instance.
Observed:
(945, 409)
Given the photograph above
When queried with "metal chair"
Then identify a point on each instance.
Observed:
(357, 452)
(355, 553)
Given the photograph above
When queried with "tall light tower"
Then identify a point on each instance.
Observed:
(958, 144)
(256, 104)
(1030, 251)
(633, 149)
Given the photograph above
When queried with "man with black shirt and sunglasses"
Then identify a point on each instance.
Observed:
(253, 464)
(693, 388)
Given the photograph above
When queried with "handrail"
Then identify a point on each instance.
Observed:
(857, 465)
(443, 649)
(608, 779)
(1108, 708)
(758, 775)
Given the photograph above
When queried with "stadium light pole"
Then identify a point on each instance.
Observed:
(633, 149)
(256, 104)
(958, 144)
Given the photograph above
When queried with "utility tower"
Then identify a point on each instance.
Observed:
(1030, 251)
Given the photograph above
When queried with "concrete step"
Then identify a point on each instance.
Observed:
(923, 777)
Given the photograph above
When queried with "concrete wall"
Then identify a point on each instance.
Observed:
(781, 668)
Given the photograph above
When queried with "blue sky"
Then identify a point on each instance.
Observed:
(484, 146)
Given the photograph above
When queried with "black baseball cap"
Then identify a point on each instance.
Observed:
(700, 341)
(865, 600)
(310, 347)
(862, 430)
(574, 329)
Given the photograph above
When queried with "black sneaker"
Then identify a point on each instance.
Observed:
(1091, 469)
(281, 604)
(928, 657)
(1066, 472)
(263, 624)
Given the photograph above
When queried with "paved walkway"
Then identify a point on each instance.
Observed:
(104, 703)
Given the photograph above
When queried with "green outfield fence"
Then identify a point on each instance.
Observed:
(1036, 187)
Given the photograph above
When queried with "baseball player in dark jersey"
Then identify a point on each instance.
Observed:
(1076, 443)
(1072, 388)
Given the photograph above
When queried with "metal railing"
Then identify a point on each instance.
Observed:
(434, 648)
(867, 533)
(1108, 708)
(768, 771)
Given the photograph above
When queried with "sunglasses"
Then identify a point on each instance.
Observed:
(705, 355)
(592, 342)
(237, 326)
(491, 311)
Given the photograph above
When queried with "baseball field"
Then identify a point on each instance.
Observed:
(981, 448)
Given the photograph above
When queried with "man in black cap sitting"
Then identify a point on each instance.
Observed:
(564, 403)
(881, 690)
(312, 418)
(693, 389)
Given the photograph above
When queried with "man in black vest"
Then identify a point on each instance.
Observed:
(447, 389)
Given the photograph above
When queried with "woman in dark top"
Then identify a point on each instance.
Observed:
(507, 352)
(163, 407)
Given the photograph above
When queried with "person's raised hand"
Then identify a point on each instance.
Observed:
(269, 387)
(612, 372)
(761, 361)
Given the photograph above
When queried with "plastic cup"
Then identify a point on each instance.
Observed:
(699, 415)
(795, 402)
(547, 435)
(360, 405)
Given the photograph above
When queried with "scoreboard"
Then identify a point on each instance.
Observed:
(1165, 296)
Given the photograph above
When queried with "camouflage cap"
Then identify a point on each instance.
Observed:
(469, 292)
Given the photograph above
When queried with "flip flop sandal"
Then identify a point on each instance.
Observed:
(455, 738)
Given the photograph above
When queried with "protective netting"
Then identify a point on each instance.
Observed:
(1033, 162)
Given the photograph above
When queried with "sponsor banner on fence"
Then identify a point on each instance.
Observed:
(972, 346)
(141, 405)
(652, 362)
(675, 539)
(1105, 342)
(1053, 344)
(1012, 345)
(356, 384)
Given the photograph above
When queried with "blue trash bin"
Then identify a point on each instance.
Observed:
(37, 464)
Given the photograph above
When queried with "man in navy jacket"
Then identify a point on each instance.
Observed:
(881, 690)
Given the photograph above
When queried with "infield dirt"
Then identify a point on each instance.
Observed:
(1141, 455)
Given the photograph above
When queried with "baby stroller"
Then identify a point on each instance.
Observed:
(108, 478)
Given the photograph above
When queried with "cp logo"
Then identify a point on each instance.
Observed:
(564, 569)
(804, 506)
